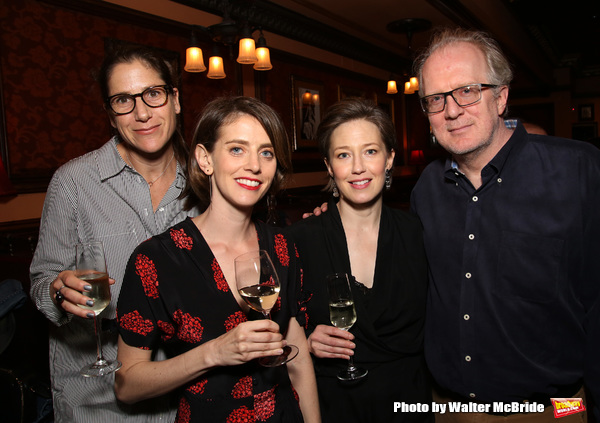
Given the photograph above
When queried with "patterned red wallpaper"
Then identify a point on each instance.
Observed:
(53, 110)
(52, 106)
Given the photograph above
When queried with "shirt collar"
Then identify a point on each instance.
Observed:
(110, 163)
(497, 163)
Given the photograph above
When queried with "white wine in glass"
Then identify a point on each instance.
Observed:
(90, 266)
(343, 315)
(258, 284)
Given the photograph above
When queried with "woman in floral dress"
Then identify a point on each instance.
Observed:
(179, 289)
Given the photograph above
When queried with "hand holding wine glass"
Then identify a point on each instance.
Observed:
(91, 268)
(258, 284)
(343, 315)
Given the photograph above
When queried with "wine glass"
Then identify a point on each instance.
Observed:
(343, 315)
(90, 266)
(258, 285)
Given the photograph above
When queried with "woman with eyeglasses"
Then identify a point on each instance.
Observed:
(121, 194)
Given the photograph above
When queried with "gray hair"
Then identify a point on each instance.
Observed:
(499, 69)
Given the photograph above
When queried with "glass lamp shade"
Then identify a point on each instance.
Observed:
(408, 89)
(264, 59)
(392, 88)
(216, 69)
(247, 51)
(194, 61)
(414, 84)
(307, 98)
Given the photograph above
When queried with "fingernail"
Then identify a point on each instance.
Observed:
(87, 287)
(90, 303)
(91, 315)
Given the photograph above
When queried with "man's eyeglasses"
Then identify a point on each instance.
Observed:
(464, 96)
(122, 104)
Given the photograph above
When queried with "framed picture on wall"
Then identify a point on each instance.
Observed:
(586, 112)
(307, 111)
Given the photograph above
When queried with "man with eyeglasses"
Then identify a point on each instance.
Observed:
(512, 234)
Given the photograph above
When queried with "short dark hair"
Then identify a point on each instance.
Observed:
(154, 59)
(220, 112)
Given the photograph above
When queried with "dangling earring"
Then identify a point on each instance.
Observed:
(388, 178)
(335, 191)
(209, 187)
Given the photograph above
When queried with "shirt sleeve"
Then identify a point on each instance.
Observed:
(55, 248)
(139, 309)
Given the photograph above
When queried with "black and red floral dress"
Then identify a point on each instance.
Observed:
(175, 296)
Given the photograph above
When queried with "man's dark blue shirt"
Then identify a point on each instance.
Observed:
(514, 269)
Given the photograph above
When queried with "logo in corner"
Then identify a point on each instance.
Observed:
(567, 406)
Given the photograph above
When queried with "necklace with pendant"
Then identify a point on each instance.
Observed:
(150, 183)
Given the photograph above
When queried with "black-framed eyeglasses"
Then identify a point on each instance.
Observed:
(122, 104)
(464, 96)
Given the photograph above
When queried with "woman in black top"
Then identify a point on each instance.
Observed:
(381, 249)
(180, 293)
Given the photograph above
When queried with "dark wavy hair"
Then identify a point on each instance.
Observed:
(349, 109)
(155, 60)
(223, 111)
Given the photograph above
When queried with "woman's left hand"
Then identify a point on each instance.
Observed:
(331, 342)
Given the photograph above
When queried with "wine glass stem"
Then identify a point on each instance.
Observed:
(351, 367)
(99, 358)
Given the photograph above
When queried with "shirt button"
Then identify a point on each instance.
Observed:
(499, 180)
(466, 317)
(475, 198)
(468, 358)
(471, 237)
(468, 275)
(472, 395)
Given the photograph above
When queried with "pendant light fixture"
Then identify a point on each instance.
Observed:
(194, 61)
(408, 26)
(263, 55)
(230, 33)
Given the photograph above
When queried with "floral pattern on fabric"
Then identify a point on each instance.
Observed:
(235, 319)
(184, 412)
(181, 239)
(145, 269)
(219, 277)
(190, 328)
(198, 388)
(241, 415)
(242, 389)
(264, 404)
(167, 330)
(281, 249)
(135, 323)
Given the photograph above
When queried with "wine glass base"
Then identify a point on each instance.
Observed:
(352, 374)
(289, 352)
(100, 368)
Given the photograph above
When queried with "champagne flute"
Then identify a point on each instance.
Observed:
(258, 284)
(343, 315)
(90, 266)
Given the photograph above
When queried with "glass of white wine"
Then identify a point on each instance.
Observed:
(258, 284)
(90, 266)
(343, 315)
